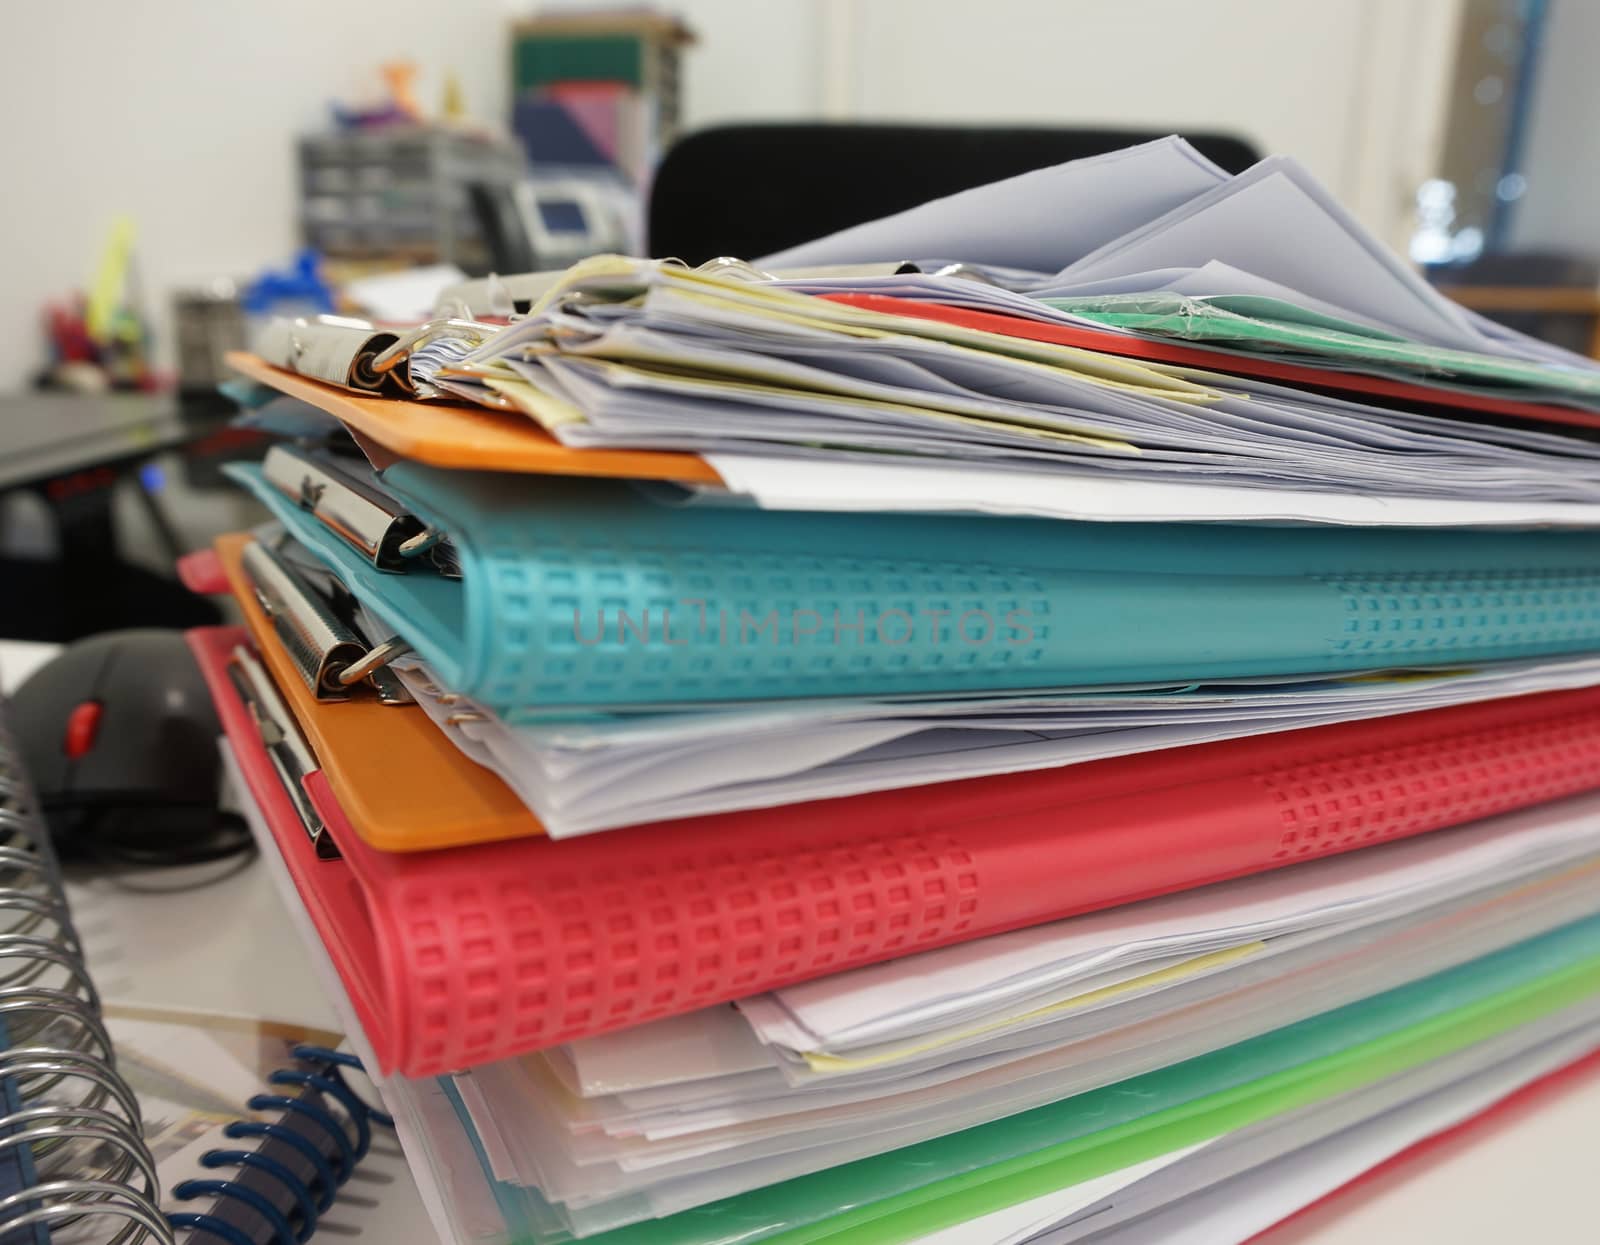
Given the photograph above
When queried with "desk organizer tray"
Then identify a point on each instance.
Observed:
(463, 956)
(587, 594)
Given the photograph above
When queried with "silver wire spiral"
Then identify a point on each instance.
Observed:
(73, 1161)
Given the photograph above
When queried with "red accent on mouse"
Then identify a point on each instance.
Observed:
(83, 724)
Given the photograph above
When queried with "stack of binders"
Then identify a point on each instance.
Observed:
(1014, 723)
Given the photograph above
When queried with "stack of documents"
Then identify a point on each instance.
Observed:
(1064, 714)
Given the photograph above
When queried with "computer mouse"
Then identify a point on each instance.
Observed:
(120, 738)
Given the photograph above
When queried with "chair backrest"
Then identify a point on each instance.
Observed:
(749, 190)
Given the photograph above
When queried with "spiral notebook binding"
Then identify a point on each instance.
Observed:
(320, 1080)
(72, 1151)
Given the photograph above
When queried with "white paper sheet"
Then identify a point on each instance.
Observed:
(1370, 1123)
(583, 777)
(902, 997)
(593, 1175)
(1230, 1211)
(1016, 1224)
(677, 1142)
(855, 484)
(402, 297)
(1275, 221)
(1040, 221)
(649, 356)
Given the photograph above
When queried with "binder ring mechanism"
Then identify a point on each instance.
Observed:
(412, 360)
(330, 656)
(377, 656)
(364, 356)
(412, 341)
(352, 507)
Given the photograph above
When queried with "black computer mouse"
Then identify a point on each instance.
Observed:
(120, 739)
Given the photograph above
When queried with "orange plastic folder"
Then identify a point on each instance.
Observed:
(470, 437)
(399, 778)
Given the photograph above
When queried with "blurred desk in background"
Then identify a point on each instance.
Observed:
(1534, 301)
(71, 451)
(46, 437)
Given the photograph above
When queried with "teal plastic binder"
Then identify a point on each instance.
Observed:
(587, 594)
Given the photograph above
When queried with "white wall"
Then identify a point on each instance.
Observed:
(181, 113)
(1354, 89)
(1561, 209)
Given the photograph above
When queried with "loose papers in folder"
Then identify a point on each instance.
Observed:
(600, 773)
(678, 1107)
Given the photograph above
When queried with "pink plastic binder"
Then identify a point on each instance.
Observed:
(466, 955)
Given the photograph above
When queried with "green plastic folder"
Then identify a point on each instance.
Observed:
(895, 1197)
(1259, 325)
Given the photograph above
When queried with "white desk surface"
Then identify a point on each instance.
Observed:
(20, 658)
(230, 947)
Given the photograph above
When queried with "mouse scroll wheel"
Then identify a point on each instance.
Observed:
(83, 723)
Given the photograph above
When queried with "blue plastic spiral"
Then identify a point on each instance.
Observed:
(342, 1059)
(311, 1199)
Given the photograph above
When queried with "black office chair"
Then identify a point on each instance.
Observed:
(749, 190)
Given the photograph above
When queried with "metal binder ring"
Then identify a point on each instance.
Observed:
(392, 356)
(107, 1121)
(419, 544)
(378, 655)
(60, 1064)
(33, 909)
(20, 1001)
(45, 1138)
(44, 952)
(36, 908)
(57, 1045)
(118, 1200)
(41, 1010)
(40, 1028)
(23, 860)
(17, 822)
(32, 905)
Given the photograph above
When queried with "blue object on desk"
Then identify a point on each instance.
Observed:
(17, 1171)
(296, 290)
(305, 1157)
